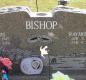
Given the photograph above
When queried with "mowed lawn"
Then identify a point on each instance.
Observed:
(44, 5)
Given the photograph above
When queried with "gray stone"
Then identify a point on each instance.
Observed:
(62, 30)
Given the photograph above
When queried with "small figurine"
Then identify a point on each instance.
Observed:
(63, 2)
(44, 50)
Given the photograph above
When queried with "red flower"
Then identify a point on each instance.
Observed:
(6, 62)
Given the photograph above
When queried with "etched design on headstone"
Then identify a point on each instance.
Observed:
(69, 63)
(77, 37)
(41, 25)
(4, 39)
(31, 65)
(42, 38)
(53, 61)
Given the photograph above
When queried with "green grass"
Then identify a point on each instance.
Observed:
(78, 3)
(44, 5)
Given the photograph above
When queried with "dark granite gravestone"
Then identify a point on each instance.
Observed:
(61, 30)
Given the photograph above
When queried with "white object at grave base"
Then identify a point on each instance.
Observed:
(31, 65)
(60, 76)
